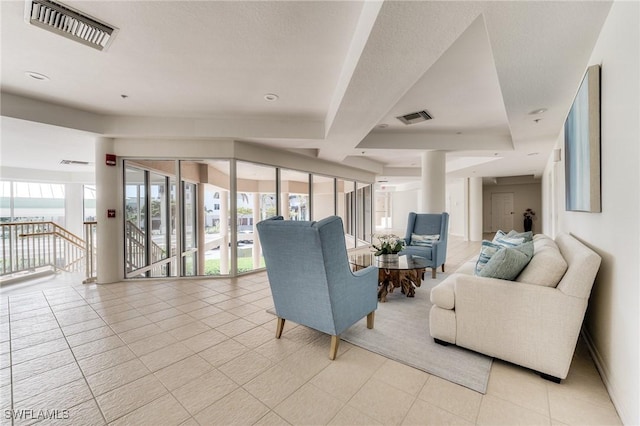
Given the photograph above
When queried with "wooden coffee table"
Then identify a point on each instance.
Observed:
(405, 274)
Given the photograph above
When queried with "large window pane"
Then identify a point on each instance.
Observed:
(256, 189)
(189, 230)
(363, 213)
(216, 253)
(294, 193)
(89, 203)
(150, 245)
(345, 208)
(135, 225)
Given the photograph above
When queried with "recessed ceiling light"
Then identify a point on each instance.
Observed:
(458, 133)
(538, 111)
(271, 97)
(123, 96)
(383, 126)
(531, 154)
(37, 76)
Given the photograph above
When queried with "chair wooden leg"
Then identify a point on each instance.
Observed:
(333, 350)
(370, 319)
(433, 273)
(443, 267)
(279, 327)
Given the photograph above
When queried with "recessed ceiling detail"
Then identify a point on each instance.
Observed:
(415, 117)
(69, 23)
(75, 162)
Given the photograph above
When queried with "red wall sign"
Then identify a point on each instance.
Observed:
(111, 159)
(111, 213)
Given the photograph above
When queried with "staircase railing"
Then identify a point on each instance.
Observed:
(135, 243)
(32, 246)
(91, 244)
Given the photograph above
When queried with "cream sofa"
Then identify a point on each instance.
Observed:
(533, 321)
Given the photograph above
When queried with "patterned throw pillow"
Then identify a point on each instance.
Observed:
(508, 262)
(423, 240)
(528, 235)
(487, 250)
(512, 239)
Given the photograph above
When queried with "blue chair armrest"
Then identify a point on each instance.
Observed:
(369, 270)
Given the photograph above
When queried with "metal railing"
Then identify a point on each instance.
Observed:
(136, 253)
(91, 244)
(33, 246)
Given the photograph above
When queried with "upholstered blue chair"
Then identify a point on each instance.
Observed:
(311, 280)
(420, 240)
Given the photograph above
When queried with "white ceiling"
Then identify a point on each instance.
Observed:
(340, 69)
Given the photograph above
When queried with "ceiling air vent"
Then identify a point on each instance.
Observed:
(415, 117)
(69, 23)
(81, 163)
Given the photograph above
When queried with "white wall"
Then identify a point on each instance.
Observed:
(612, 324)
(456, 202)
(402, 203)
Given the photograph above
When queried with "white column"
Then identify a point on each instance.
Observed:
(110, 238)
(256, 240)
(475, 209)
(224, 232)
(433, 182)
(74, 208)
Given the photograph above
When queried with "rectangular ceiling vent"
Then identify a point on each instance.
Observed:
(415, 117)
(69, 23)
(80, 163)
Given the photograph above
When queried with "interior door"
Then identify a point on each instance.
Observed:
(502, 211)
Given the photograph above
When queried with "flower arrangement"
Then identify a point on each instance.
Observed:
(529, 214)
(388, 244)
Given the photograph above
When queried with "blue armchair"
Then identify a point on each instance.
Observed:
(434, 251)
(311, 280)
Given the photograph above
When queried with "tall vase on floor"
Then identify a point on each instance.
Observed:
(528, 219)
(528, 224)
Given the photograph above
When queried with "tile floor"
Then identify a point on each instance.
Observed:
(190, 352)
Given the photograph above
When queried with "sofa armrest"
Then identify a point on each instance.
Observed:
(533, 326)
(443, 295)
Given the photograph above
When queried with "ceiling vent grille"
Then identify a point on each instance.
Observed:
(69, 23)
(415, 117)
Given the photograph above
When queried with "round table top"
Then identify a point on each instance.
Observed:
(404, 262)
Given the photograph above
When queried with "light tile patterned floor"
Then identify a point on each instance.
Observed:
(203, 352)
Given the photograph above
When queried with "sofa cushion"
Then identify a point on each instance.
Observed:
(508, 262)
(423, 240)
(487, 250)
(547, 267)
(544, 242)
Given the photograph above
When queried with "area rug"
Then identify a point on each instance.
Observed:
(401, 333)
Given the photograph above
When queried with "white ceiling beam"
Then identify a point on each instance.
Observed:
(368, 16)
(428, 141)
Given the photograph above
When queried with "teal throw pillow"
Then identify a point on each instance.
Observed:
(487, 250)
(508, 262)
(423, 240)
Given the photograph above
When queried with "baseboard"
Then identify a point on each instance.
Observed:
(18, 278)
(604, 374)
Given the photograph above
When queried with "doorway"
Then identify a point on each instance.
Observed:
(502, 211)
